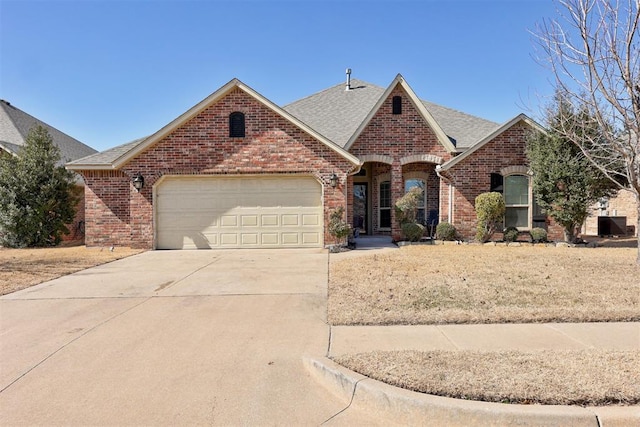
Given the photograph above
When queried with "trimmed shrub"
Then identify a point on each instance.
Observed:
(407, 206)
(338, 228)
(445, 231)
(510, 234)
(490, 210)
(538, 235)
(413, 231)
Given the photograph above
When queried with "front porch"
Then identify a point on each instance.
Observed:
(374, 190)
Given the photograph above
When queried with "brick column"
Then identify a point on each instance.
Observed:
(397, 191)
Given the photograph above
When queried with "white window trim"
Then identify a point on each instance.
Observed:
(423, 176)
(518, 171)
(383, 178)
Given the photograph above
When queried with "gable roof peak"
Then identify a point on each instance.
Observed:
(119, 156)
(431, 121)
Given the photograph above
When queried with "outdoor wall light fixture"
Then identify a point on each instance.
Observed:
(138, 181)
(333, 180)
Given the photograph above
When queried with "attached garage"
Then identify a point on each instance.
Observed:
(198, 212)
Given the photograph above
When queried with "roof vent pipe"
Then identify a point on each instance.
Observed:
(348, 79)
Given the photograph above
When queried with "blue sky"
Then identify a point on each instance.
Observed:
(107, 72)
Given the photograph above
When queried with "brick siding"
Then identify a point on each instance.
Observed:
(118, 215)
(398, 136)
(472, 176)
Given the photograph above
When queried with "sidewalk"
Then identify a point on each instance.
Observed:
(397, 406)
(533, 336)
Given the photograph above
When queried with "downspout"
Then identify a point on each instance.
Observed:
(439, 172)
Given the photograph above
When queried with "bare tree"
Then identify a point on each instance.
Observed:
(593, 49)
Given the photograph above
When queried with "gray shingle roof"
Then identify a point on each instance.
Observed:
(463, 128)
(337, 113)
(111, 155)
(14, 128)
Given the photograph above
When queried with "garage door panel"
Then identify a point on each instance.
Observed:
(199, 212)
(269, 220)
(269, 239)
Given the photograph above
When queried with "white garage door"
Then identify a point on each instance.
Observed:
(238, 212)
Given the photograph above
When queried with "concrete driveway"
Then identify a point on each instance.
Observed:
(172, 338)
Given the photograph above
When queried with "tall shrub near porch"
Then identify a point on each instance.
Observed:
(490, 209)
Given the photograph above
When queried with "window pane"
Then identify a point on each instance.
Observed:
(516, 217)
(411, 183)
(516, 190)
(385, 218)
(385, 194)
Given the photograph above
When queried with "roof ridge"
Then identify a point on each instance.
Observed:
(356, 81)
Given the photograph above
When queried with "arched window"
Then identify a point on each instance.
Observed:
(236, 125)
(420, 183)
(396, 105)
(517, 198)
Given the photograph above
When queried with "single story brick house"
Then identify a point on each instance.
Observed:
(238, 171)
(15, 125)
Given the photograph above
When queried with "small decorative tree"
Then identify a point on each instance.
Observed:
(406, 209)
(490, 209)
(338, 227)
(36, 198)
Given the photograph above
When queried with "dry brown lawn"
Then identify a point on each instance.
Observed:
(587, 377)
(479, 284)
(22, 268)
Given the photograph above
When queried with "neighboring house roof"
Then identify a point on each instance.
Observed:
(118, 156)
(491, 135)
(338, 113)
(15, 125)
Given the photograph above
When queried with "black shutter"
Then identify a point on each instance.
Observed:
(497, 183)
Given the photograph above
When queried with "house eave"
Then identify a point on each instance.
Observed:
(399, 80)
(211, 99)
(482, 142)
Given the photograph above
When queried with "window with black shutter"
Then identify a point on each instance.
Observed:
(236, 125)
(497, 183)
(397, 105)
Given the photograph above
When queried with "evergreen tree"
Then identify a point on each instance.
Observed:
(565, 182)
(36, 199)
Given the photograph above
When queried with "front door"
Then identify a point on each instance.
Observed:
(360, 203)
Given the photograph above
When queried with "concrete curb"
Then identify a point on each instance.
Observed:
(401, 406)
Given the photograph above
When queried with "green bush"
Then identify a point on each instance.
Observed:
(510, 234)
(407, 206)
(538, 235)
(37, 199)
(490, 210)
(445, 231)
(413, 231)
